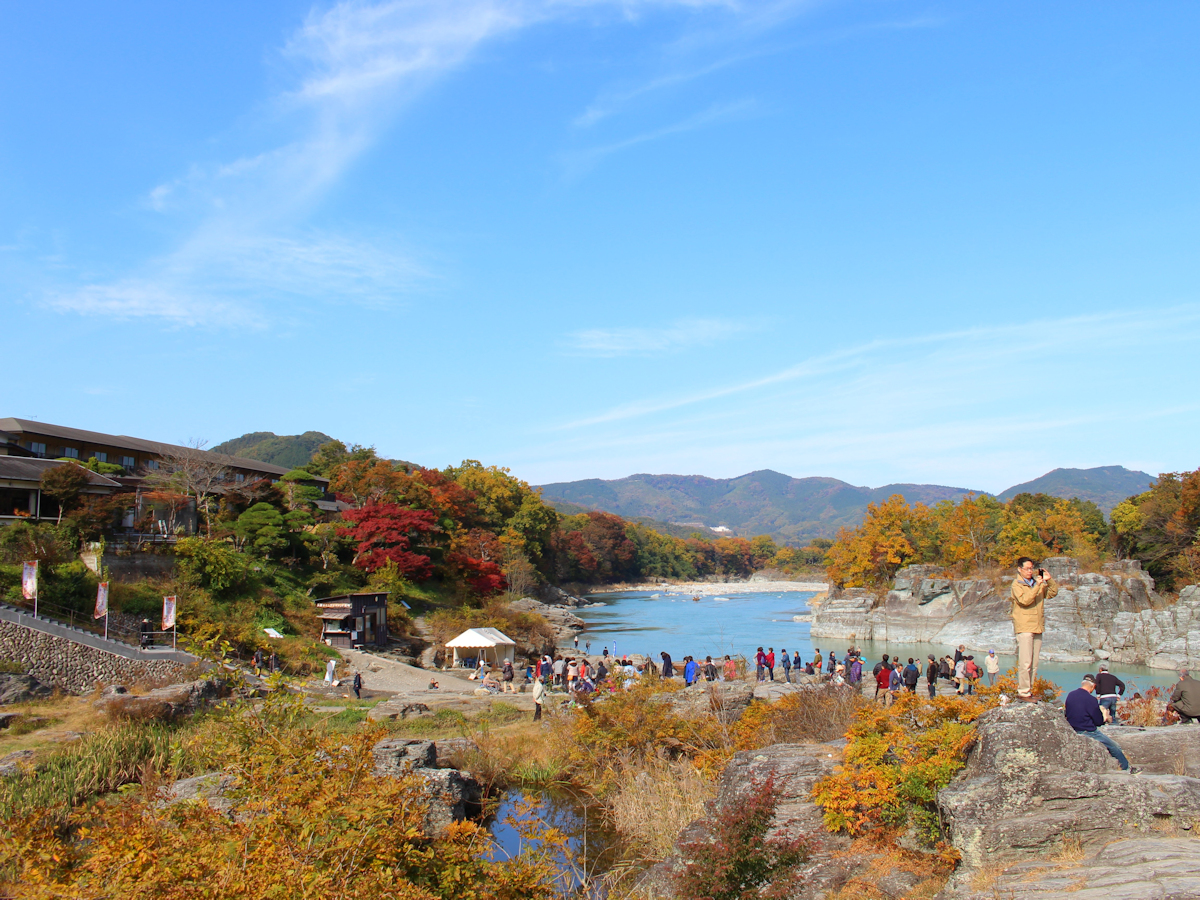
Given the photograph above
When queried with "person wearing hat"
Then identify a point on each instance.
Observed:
(1083, 714)
(1109, 689)
(991, 665)
(1185, 699)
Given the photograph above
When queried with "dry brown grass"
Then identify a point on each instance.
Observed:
(66, 714)
(655, 801)
(819, 714)
(1070, 851)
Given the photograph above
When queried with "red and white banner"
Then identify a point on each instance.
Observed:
(101, 601)
(168, 612)
(29, 580)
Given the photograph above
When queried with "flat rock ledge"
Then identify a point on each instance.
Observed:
(1033, 791)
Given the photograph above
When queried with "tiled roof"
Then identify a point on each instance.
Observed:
(79, 435)
(18, 468)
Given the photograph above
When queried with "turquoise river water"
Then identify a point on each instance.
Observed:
(649, 622)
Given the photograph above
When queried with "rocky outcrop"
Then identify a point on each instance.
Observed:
(1114, 614)
(162, 704)
(794, 769)
(398, 708)
(211, 788)
(1032, 787)
(556, 596)
(22, 689)
(1136, 869)
(726, 701)
(453, 795)
(564, 622)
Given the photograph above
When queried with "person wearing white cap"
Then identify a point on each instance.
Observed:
(991, 665)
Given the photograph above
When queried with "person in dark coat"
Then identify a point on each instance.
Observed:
(931, 677)
(1083, 714)
(358, 685)
(668, 670)
(1109, 689)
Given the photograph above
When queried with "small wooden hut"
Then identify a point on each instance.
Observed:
(353, 620)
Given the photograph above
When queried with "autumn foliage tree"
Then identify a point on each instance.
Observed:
(386, 532)
(1161, 527)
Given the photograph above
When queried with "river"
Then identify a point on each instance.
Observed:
(649, 622)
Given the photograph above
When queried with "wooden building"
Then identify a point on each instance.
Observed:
(353, 620)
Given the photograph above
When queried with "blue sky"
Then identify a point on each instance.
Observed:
(947, 242)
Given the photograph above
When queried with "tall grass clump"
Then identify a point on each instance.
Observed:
(97, 764)
(820, 714)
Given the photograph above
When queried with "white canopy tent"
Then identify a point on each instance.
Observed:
(492, 645)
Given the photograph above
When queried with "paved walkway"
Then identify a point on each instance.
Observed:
(382, 674)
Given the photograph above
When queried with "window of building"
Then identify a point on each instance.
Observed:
(101, 456)
(239, 477)
(39, 449)
(128, 462)
(152, 464)
(70, 452)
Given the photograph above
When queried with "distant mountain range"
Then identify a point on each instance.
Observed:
(289, 450)
(1106, 486)
(799, 509)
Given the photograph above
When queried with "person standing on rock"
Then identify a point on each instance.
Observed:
(992, 666)
(883, 677)
(668, 670)
(358, 685)
(786, 662)
(911, 676)
(539, 697)
(760, 664)
(577, 643)
(1109, 689)
(931, 676)
(587, 647)
(730, 669)
(330, 668)
(771, 662)
(817, 660)
(1083, 714)
(1030, 589)
(1185, 699)
(689, 671)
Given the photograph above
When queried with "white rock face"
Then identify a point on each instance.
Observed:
(1114, 615)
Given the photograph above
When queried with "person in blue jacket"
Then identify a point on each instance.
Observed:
(1083, 714)
(786, 662)
(691, 667)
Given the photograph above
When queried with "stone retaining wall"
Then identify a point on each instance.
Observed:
(77, 668)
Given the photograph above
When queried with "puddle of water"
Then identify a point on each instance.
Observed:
(591, 847)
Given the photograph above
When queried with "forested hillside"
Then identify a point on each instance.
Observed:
(791, 510)
(289, 450)
(1106, 486)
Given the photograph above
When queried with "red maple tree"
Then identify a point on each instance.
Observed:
(385, 533)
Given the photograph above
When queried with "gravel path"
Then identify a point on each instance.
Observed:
(382, 674)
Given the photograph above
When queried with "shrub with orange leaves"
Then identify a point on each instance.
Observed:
(309, 820)
(897, 759)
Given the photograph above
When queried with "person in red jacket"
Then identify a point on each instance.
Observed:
(771, 662)
(882, 677)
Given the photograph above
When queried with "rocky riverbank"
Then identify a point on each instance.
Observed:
(1114, 614)
(1036, 804)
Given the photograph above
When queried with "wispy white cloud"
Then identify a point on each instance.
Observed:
(355, 65)
(682, 335)
(579, 162)
(942, 355)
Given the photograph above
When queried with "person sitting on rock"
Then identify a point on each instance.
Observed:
(1083, 714)
(1109, 689)
(1185, 699)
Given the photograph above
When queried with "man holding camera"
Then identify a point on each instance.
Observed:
(1030, 589)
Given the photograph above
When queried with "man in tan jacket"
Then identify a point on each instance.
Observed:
(1030, 589)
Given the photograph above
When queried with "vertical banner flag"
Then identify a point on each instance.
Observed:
(101, 601)
(168, 612)
(29, 580)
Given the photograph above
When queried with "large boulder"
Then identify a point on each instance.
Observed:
(399, 756)
(21, 689)
(211, 788)
(726, 700)
(453, 795)
(794, 769)
(1031, 785)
